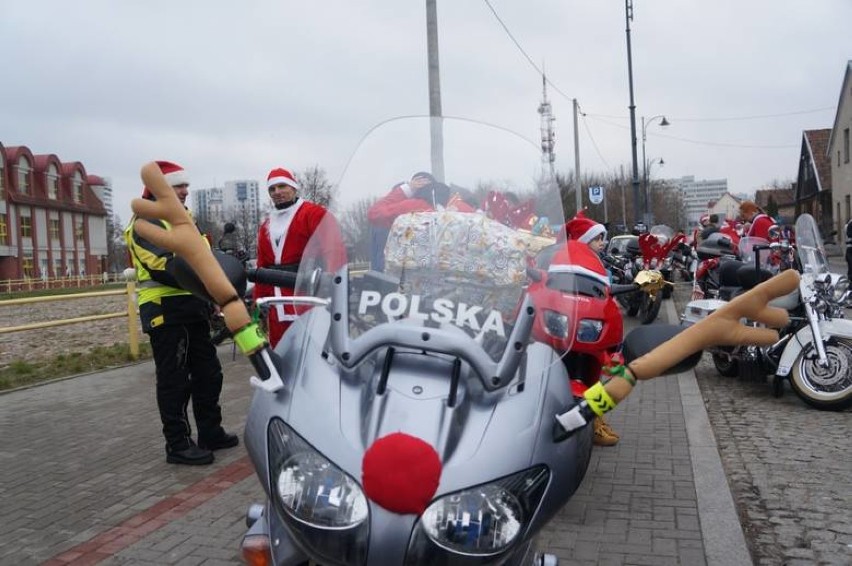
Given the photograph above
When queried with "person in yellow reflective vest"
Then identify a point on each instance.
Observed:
(177, 324)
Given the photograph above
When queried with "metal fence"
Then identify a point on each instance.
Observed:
(72, 281)
(130, 312)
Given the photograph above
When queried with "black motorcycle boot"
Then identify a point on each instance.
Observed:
(192, 455)
(223, 440)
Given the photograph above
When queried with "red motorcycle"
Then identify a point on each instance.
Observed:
(576, 310)
(657, 248)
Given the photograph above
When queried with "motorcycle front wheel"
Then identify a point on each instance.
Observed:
(826, 388)
(650, 308)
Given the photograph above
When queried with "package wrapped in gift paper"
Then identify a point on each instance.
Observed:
(447, 249)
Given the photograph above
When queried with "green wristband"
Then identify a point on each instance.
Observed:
(250, 339)
(598, 399)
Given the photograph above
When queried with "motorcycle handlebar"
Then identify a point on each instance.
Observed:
(274, 277)
(619, 289)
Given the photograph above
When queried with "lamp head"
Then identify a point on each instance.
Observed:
(665, 122)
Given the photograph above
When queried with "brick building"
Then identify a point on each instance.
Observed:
(52, 223)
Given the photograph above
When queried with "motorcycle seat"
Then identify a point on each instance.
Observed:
(728, 273)
(729, 292)
(749, 276)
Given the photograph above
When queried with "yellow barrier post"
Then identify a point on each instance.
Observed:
(131, 319)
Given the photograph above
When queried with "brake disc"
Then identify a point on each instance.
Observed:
(836, 374)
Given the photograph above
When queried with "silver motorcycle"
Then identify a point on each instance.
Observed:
(407, 417)
(814, 352)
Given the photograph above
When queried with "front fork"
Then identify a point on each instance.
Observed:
(813, 322)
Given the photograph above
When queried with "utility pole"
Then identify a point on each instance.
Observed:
(579, 194)
(628, 10)
(436, 126)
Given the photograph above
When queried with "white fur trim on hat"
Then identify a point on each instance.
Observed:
(176, 178)
(282, 181)
(592, 233)
(579, 270)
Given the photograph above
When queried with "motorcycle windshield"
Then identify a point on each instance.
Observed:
(433, 225)
(809, 247)
(663, 233)
(747, 251)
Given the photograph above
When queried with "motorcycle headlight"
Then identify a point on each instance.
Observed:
(313, 490)
(589, 330)
(480, 521)
(556, 324)
(322, 506)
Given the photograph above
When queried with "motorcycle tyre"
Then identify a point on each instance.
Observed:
(839, 403)
(633, 308)
(725, 366)
(650, 309)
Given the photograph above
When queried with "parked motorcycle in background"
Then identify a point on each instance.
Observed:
(814, 352)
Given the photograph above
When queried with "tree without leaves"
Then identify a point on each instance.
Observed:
(315, 186)
(356, 230)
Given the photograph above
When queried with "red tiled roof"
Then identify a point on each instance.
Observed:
(818, 142)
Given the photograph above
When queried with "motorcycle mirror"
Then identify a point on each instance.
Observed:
(230, 228)
(535, 274)
(643, 339)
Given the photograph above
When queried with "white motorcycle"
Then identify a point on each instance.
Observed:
(814, 352)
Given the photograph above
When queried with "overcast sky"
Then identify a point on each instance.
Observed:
(232, 89)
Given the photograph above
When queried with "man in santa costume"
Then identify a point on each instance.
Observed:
(759, 221)
(281, 242)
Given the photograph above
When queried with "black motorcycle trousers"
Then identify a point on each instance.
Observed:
(188, 369)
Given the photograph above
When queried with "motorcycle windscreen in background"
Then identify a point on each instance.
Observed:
(809, 247)
(447, 249)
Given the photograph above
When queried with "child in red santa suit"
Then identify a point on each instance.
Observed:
(593, 234)
(281, 242)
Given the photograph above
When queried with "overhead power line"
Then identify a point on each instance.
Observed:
(700, 142)
(731, 119)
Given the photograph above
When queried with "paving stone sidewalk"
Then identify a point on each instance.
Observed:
(84, 481)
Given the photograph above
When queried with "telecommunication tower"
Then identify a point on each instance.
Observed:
(548, 135)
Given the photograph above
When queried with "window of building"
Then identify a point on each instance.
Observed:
(28, 266)
(26, 227)
(52, 182)
(53, 227)
(78, 187)
(846, 145)
(57, 268)
(24, 170)
(78, 230)
(848, 208)
(4, 236)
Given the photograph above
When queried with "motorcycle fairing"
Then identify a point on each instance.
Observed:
(835, 328)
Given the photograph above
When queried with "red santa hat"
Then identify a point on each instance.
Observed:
(583, 229)
(705, 218)
(577, 257)
(281, 176)
(175, 175)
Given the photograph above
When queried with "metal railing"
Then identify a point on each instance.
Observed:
(37, 284)
(130, 313)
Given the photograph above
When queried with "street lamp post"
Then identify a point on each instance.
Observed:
(628, 12)
(647, 217)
